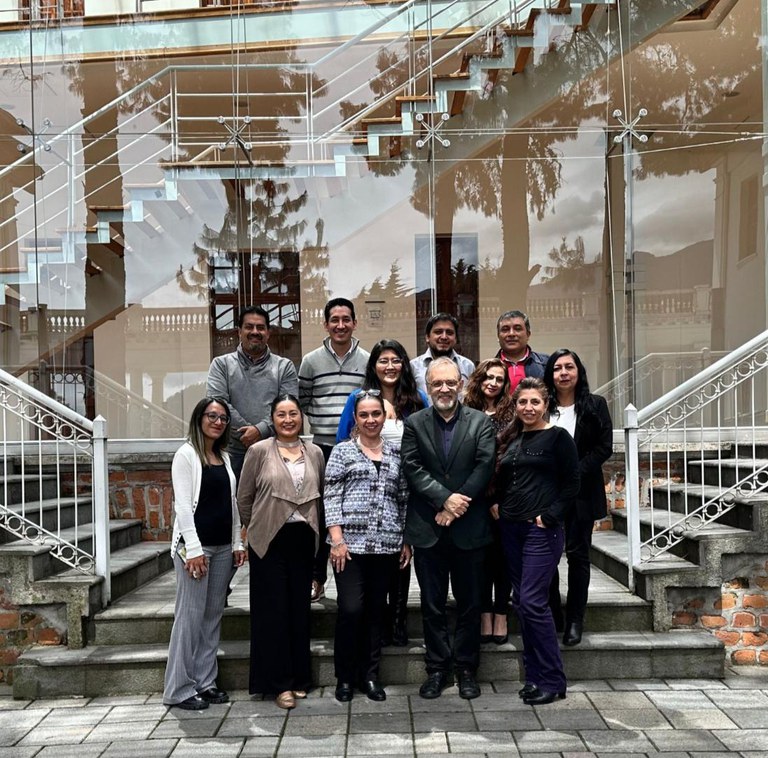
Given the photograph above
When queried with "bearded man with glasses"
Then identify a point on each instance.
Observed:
(448, 453)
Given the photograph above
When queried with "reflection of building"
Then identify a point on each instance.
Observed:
(159, 192)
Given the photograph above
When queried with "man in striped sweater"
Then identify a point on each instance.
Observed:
(327, 376)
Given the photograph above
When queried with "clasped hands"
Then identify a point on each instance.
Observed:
(455, 506)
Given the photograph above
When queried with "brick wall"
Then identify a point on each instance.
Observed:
(737, 614)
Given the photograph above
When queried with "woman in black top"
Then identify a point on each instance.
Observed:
(536, 481)
(586, 418)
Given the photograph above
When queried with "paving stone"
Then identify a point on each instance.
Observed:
(429, 743)
(256, 709)
(696, 684)
(506, 721)
(254, 726)
(574, 700)
(666, 740)
(398, 689)
(212, 711)
(95, 750)
(114, 700)
(210, 748)
(259, 747)
(499, 702)
(393, 704)
(570, 720)
(62, 702)
(747, 739)
(645, 685)
(19, 752)
(588, 685)
(144, 749)
(748, 718)
(442, 722)
(70, 717)
(120, 730)
(9, 704)
(57, 735)
(186, 729)
(316, 725)
(22, 719)
(482, 742)
(635, 718)
(312, 747)
(547, 742)
(699, 719)
(10, 735)
(681, 700)
(738, 699)
(380, 744)
(619, 700)
(154, 712)
(442, 704)
(615, 741)
(508, 687)
(321, 706)
(365, 723)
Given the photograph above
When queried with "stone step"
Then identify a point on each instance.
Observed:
(65, 511)
(132, 669)
(40, 563)
(681, 496)
(723, 472)
(692, 544)
(147, 615)
(31, 486)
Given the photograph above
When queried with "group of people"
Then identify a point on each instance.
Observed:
(482, 476)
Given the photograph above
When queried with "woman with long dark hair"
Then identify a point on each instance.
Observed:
(206, 543)
(365, 501)
(389, 372)
(488, 391)
(537, 480)
(586, 418)
(280, 502)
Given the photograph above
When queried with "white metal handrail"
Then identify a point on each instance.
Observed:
(62, 461)
(687, 434)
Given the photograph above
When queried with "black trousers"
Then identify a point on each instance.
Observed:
(578, 539)
(496, 585)
(435, 567)
(362, 600)
(280, 612)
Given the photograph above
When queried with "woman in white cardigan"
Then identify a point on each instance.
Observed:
(206, 543)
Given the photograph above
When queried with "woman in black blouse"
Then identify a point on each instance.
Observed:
(588, 421)
(536, 482)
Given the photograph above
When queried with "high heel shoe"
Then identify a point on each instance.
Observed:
(544, 697)
(500, 639)
(285, 700)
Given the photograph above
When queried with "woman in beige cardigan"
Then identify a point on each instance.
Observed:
(280, 502)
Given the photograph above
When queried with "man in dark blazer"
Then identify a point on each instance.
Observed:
(448, 455)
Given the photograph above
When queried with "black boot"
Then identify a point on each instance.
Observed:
(399, 605)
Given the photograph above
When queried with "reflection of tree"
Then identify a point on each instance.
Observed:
(567, 265)
(392, 290)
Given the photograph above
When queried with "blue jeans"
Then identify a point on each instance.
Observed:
(532, 554)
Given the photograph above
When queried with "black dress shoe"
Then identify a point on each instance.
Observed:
(486, 638)
(344, 692)
(213, 695)
(529, 690)
(194, 703)
(468, 686)
(373, 690)
(436, 682)
(544, 697)
(573, 633)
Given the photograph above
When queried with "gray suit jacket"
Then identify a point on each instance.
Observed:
(432, 477)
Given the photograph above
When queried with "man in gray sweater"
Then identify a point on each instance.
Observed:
(249, 379)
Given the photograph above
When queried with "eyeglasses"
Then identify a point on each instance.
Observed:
(396, 362)
(214, 417)
(369, 393)
(452, 384)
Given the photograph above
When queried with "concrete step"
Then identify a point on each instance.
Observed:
(682, 496)
(31, 486)
(65, 511)
(40, 563)
(723, 472)
(132, 669)
(692, 544)
(146, 615)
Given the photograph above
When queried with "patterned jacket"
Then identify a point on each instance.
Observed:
(368, 505)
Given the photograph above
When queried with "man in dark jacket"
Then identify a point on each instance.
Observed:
(514, 330)
(448, 457)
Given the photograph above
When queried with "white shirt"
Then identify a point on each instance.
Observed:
(566, 418)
